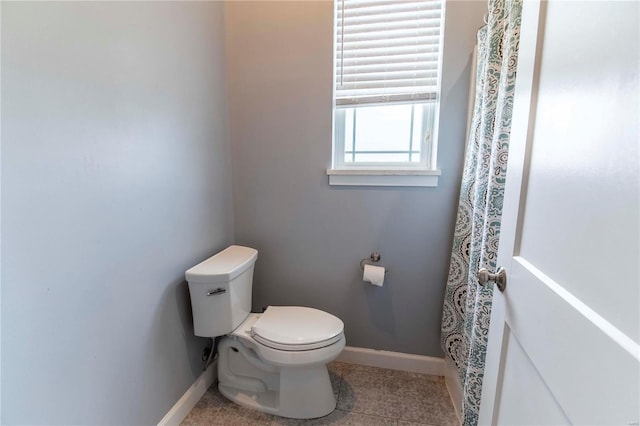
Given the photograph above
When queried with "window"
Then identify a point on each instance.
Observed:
(387, 78)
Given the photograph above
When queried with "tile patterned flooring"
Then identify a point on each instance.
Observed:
(365, 395)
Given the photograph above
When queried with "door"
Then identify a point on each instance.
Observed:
(563, 342)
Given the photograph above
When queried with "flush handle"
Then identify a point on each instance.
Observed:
(500, 278)
(216, 291)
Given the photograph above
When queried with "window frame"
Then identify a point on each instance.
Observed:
(423, 173)
(339, 148)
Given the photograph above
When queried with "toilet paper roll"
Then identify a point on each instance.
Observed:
(373, 274)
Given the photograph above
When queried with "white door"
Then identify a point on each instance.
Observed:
(563, 342)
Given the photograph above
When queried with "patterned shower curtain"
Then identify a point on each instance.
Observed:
(467, 305)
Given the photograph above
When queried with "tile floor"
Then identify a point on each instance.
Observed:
(365, 395)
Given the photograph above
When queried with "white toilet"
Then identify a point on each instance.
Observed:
(274, 362)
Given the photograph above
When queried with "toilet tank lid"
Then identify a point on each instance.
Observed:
(224, 266)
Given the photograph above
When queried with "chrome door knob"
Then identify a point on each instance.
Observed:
(500, 278)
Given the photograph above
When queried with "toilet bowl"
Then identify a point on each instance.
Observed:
(275, 361)
(272, 375)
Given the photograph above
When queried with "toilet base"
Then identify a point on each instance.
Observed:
(302, 392)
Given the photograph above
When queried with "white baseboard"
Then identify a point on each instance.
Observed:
(393, 360)
(454, 386)
(191, 397)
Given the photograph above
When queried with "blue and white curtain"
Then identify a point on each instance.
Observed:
(467, 305)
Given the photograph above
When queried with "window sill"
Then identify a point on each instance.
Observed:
(352, 177)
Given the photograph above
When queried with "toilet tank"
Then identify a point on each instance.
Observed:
(220, 289)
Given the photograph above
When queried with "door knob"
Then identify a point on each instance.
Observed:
(500, 278)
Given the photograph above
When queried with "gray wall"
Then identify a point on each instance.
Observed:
(115, 179)
(310, 236)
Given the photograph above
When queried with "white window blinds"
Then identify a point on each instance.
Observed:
(387, 51)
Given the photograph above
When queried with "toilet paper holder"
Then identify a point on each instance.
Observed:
(374, 258)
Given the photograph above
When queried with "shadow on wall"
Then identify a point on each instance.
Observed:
(380, 305)
(183, 298)
(174, 317)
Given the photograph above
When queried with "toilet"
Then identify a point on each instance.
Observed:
(275, 361)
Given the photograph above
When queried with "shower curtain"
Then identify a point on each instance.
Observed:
(467, 305)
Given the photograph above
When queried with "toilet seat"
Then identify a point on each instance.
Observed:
(308, 347)
(296, 328)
